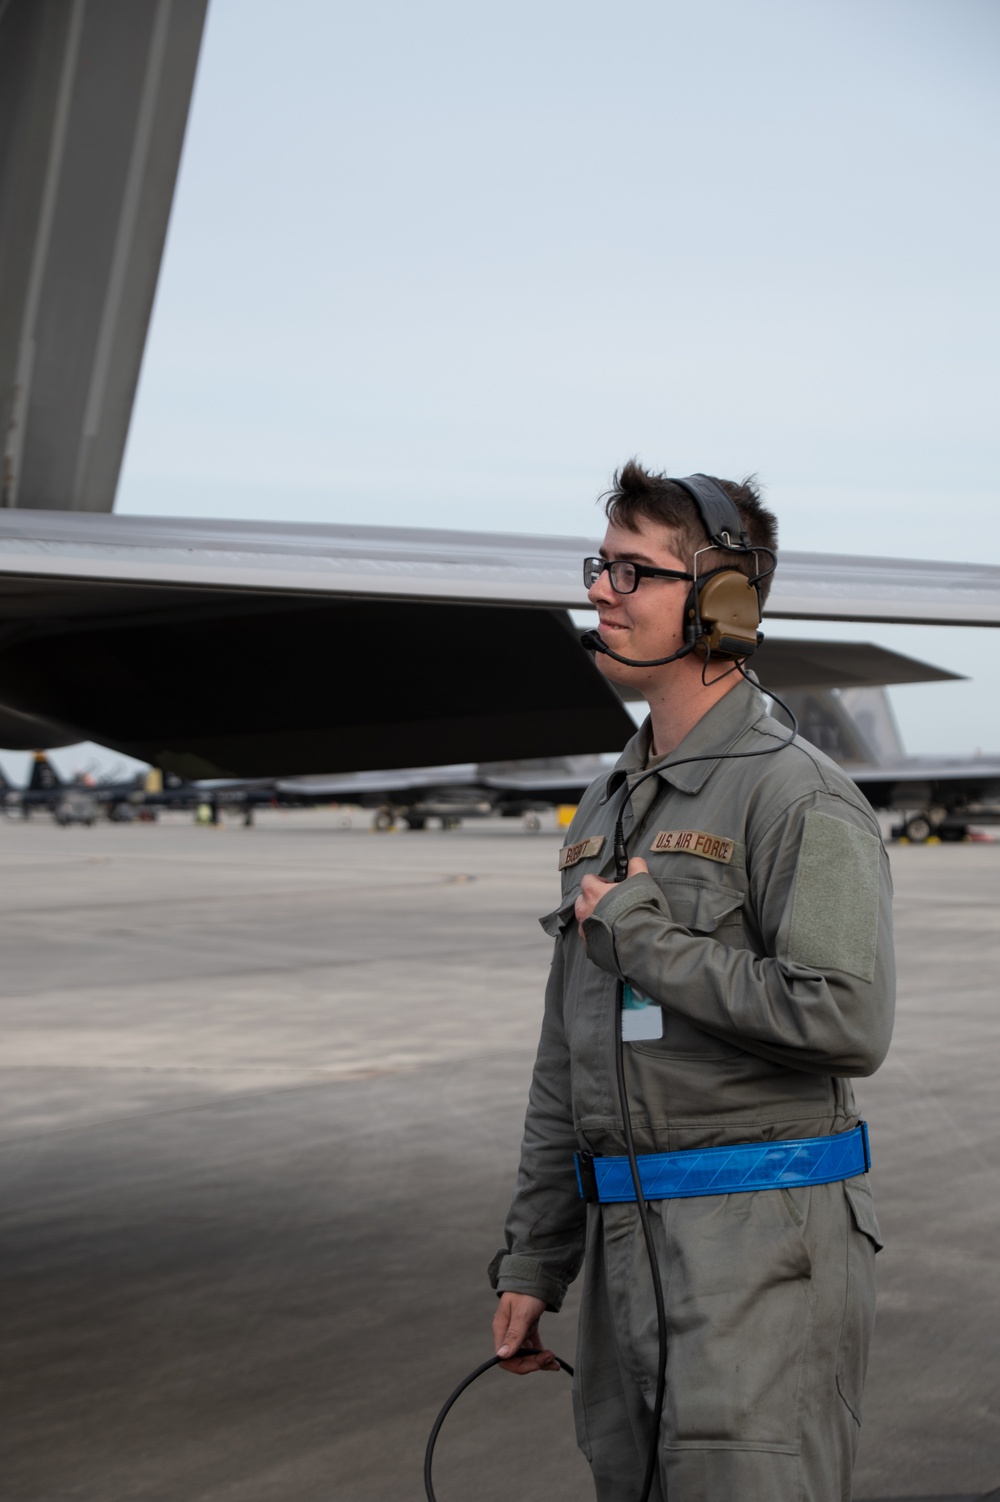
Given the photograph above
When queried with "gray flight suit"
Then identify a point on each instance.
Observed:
(764, 929)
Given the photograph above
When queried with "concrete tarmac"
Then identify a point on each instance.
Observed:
(262, 1097)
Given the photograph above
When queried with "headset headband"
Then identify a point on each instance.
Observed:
(717, 510)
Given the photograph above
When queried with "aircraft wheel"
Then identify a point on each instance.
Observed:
(918, 829)
(383, 821)
(532, 822)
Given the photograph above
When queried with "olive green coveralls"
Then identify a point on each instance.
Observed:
(764, 930)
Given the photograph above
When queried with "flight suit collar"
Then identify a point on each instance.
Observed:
(714, 734)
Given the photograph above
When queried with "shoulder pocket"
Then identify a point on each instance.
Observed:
(836, 897)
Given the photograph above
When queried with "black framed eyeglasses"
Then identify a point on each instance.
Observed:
(625, 575)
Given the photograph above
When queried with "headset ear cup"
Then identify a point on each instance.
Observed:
(729, 610)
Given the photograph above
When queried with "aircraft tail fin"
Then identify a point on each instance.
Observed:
(871, 711)
(853, 726)
(44, 776)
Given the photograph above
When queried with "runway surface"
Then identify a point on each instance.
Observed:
(262, 1097)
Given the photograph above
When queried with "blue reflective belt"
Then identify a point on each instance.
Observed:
(726, 1170)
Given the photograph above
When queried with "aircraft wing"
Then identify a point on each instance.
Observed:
(921, 782)
(253, 649)
(541, 787)
(26, 732)
(497, 568)
(236, 649)
(402, 782)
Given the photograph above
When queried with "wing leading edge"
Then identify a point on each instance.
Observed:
(66, 552)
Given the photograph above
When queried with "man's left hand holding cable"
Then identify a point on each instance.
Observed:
(592, 889)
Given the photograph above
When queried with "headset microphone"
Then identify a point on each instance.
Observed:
(592, 641)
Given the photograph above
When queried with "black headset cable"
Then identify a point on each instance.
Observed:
(459, 1390)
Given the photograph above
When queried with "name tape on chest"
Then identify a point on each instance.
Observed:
(581, 851)
(695, 842)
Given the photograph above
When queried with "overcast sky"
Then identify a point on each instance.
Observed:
(450, 264)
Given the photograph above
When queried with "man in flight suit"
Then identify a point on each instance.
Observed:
(757, 914)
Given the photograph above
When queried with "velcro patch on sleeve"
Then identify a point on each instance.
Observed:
(695, 842)
(581, 851)
(835, 902)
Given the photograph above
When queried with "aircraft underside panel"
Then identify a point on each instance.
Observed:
(239, 686)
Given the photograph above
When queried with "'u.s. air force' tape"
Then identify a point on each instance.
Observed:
(726, 1170)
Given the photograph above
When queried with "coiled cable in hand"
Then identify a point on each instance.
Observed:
(459, 1390)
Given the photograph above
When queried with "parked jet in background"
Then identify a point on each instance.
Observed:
(938, 796)
(82, 799)
(69, 802)
(451, 793)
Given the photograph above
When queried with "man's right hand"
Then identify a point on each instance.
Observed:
(515, 1324)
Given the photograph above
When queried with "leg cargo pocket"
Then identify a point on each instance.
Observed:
(739, 1473)
(863, 1241)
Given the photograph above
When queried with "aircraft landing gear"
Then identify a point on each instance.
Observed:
(384, 820)
(918, 828)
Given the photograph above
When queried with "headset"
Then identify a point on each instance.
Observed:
(723, 609)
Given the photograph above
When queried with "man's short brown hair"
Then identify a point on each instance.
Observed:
(637, 493)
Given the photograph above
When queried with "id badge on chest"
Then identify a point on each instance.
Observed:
(642, 1019)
